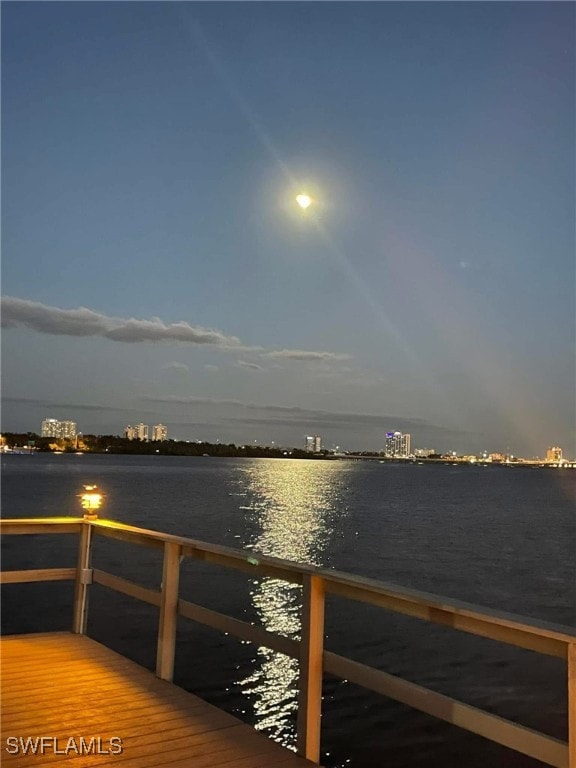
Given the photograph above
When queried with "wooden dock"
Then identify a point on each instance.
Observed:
(61, 686)
(66, 685)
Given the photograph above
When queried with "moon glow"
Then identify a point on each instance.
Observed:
(304, 201)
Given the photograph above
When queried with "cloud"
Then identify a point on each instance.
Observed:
(155, 330)
(210, 367)
(294, 414)
(198, 400)
(54, 404)
(290, 416)
(22, 313)
(239, 416)
(253, 366)
(178, 400)
(175, 366)
(303, 354)
(82, 322)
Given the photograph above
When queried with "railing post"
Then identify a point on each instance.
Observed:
(168, 612)
(571, 705)
(311, 665)
(83, 580)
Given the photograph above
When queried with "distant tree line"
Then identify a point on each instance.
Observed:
(117, 444)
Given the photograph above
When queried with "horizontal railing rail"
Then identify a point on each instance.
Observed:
(541, 637)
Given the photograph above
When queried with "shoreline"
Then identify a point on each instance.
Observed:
(294, 454)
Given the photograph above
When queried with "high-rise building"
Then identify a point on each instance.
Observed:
(554, 454)
(313, 443)
(59, 429)
(397, 445)
(159, 432)
(50, 427)
(138, 432)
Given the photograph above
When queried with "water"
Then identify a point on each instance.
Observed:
(500, 537)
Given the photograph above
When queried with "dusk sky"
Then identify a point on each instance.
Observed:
(157, 268)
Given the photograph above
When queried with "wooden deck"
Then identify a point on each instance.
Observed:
(82, 690)
(61, 685)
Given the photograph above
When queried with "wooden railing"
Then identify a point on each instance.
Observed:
(544, 638)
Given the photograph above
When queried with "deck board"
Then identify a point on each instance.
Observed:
(61, 685)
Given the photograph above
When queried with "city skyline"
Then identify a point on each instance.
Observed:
(158, 266)
(394, 445)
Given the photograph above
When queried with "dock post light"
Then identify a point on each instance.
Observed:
(91, 501)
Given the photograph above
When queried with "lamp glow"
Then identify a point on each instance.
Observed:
(304, 201)
(91, 500)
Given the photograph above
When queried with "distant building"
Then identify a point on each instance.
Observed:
(424, 453)
(159, 432)
(138, 432)
(554, 454)
(59, 429)
(397, 445)
(313, 443)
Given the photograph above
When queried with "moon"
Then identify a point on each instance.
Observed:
(304, 201)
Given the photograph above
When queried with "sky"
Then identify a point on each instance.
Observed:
(157, 268)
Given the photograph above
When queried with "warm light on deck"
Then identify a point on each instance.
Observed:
(91, 500)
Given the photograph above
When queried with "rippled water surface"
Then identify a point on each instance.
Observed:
(500, 537)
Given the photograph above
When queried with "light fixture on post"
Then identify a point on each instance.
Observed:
(91, 501)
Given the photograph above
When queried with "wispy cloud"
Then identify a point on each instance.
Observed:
(47, 404)
(245, 414)
(296, 413)
(22, 313)
(253, 366)
(303, 354)
(191, 400)
(175, 366)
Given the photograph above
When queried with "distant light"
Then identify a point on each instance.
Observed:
(304, 201)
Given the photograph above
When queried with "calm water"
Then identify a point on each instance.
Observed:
(500, 537)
